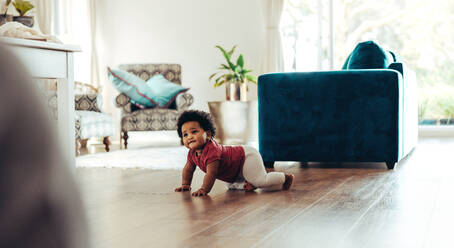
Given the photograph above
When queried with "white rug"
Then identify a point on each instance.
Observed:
(157, 158)
(160, 150)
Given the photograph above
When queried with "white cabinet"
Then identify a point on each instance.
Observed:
(54, 61)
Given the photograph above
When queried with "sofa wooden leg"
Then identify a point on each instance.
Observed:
(106, 142)
(83, 143)
(77, 147)
(390, 165)
(125, 137)
(121, 139)
(268, 164)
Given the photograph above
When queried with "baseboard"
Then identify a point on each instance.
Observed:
(436, 131)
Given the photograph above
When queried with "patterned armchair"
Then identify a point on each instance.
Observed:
(153, 119)
(89, 118)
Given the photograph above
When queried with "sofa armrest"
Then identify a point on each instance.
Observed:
(123, 101)
(183, 101)
(398, 67)
(409, 123)
(88, 102)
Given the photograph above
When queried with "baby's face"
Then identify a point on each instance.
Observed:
(194, 137)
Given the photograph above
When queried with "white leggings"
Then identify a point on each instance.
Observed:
(254, 172)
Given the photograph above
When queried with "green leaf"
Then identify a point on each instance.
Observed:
(223, 51)
(219, 78)
(22, 6)
(251, 79)
(227, 57)
(7, 3)
(217, 84)
(232, 72)
(232, 50)
(229, 77)
(238, 70)
(212, 75)
(240, 61)
(224, 67)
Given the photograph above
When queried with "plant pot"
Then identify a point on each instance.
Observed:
(26, 20)
(446, 121)
(5, 18)
(236, 91)
(236, 121)
(428, 122)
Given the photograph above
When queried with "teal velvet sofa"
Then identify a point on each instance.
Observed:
(366, 112)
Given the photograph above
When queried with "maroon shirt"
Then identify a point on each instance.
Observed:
(231, 159)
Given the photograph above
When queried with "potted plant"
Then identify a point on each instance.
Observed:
(447, 106)
(4, 18)
(23, 7)
(234, 76)
(422, 109)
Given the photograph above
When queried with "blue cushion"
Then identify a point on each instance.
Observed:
(396, 57)
(133, 86)
(369, 55)
(345, 66)
(164, 91)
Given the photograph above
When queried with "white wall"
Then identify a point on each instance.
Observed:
(179, 31)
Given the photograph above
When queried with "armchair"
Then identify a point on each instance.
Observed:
(357, 115)
(90, 120)
(152, 119)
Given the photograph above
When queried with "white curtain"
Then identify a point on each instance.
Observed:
(64, 16)
(54, 17)
(273, 60)
(45, 15)
(73, 21)
(94, 65)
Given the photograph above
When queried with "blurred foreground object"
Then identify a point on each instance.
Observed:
(40, 204)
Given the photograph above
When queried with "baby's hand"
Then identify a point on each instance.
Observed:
(200, 192)
(183, 188)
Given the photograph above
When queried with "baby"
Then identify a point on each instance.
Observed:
(236, 165)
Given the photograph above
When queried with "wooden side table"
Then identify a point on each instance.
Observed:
(47, 60)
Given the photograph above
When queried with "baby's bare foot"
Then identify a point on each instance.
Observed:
(288, 181)
(248, 186)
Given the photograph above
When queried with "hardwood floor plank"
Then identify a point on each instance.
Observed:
(271, 210)
(326, 222)
(439, 227)
(401, 217)
(329, 205)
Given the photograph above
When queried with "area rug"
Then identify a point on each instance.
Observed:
(156, 158)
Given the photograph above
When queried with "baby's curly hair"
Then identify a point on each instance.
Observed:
(203, 118)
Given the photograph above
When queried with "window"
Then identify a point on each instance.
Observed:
(306, 38)
(316, 38)
(73, 29)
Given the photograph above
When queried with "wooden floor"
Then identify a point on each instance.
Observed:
(330, 205)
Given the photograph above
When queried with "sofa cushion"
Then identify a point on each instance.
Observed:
(345, 65)
(90, 102)
(93, 124)
(369, 55)
(396, 57)
(151, 119)
(133, 86)
(164, 91)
